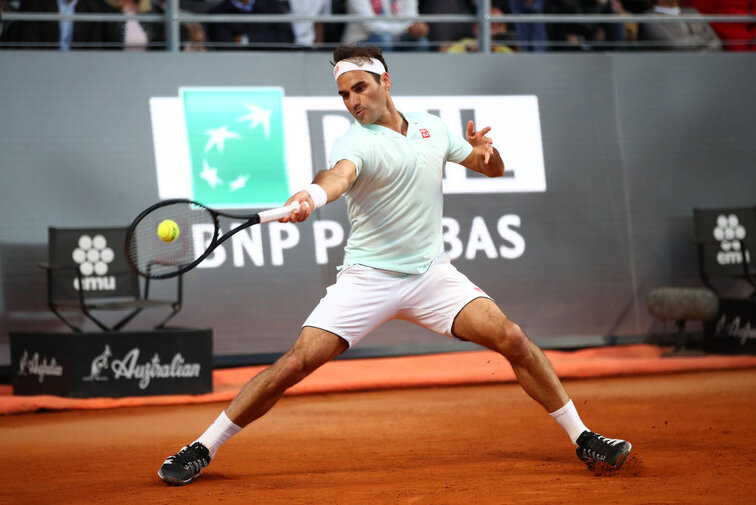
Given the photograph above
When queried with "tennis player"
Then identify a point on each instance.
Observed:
(389, 166)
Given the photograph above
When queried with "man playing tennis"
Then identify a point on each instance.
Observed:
(389, 167)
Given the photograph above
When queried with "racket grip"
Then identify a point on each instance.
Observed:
(267, 216)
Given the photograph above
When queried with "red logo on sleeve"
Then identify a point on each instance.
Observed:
(424, 133)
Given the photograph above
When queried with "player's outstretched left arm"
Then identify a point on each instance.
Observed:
(484, 158)
(327, 186)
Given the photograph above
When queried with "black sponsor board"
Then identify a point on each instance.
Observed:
(733, 331)
(112, 364)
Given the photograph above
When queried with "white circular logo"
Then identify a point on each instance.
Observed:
(93, 255)
(729, 232)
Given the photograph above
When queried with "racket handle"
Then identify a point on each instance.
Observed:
(267, 216)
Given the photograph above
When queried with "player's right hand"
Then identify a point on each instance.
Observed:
(305, 208)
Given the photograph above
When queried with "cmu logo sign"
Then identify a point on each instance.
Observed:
(93, 256)
(729, 232)
(254, 147)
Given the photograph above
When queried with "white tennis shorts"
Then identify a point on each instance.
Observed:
(363, 298)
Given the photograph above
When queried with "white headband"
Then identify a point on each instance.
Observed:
(344, 66)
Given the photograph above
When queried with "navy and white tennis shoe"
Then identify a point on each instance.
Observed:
(595, 449)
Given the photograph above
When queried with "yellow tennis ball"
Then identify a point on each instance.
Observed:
(168, 230)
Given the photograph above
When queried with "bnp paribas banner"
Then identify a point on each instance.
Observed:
(253, 147)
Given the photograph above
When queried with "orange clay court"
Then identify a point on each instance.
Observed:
(437, 429)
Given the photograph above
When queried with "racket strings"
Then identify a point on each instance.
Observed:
(155, 257)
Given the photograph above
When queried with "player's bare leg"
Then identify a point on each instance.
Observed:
(482, 322)
(313, 348)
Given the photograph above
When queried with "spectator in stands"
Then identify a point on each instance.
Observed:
(637, 6)
(499, 36)
(531, 37)
(441, 35)
(384, 32)
(250, 35)
(585, 36)
(734, 36)
(681, 35)
(132, 35)
(4, 25)
(63, 35)
(191, 35)
(334, 31)
(309, 34)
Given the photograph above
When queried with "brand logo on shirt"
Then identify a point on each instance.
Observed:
(424, 133)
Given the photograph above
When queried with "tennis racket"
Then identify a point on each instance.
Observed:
(199, 233)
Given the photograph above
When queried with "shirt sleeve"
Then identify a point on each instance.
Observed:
(459, 147)
(349, 148)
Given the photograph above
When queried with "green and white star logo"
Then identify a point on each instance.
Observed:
(236, 143)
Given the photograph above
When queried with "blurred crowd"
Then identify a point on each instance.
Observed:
(390, 26)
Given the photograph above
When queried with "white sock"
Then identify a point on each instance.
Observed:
(218, 433)
(569, 420)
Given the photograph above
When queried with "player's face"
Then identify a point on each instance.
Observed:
(363, 97)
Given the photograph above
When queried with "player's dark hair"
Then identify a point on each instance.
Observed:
(360, 54)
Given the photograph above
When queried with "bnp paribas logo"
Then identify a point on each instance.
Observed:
(253, 147)
(224, 147)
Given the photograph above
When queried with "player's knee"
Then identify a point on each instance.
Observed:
(293, 368)
(512, 341)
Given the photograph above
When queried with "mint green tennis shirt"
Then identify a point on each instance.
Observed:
(395, 205)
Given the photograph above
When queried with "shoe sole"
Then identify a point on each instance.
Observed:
(173, 481)
(603, 465)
